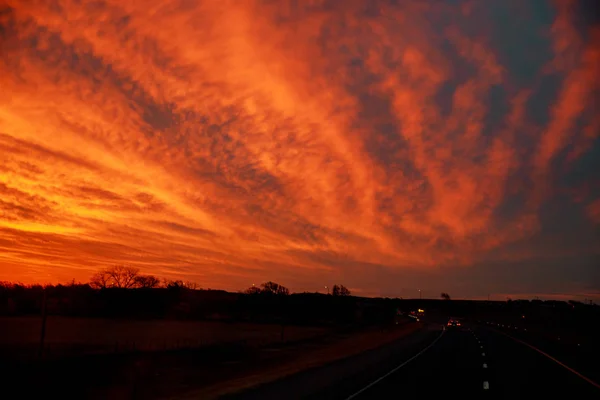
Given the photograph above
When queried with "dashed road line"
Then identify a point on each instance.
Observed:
(484, 365)
(486, 385)
(483, 354)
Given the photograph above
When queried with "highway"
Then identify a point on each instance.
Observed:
(466, 363)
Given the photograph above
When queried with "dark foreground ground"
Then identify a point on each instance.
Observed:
(474, 362)
(480, 360)
(205, 372)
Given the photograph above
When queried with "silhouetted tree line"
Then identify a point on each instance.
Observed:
(125, 277)
(268, 289)
(123, 292)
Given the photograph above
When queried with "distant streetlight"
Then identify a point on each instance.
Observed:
(420, 294)
(326, 287)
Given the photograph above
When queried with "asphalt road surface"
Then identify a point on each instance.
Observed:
(464, 363)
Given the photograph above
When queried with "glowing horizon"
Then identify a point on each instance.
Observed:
(378, 145)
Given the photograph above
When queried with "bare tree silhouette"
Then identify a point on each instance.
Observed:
(101, 280)
(147, 281)
(268, 288)
(340, 290)
(179, 284)
(445, 296)
(274, 288)
(252, 290)
(123, 277)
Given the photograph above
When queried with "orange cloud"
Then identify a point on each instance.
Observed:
(216, 140)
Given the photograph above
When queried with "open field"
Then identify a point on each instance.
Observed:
(20, 336)
(203, 372)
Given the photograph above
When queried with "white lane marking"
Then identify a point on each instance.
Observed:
(483, 354)
(484, 365)
(486, 385)
(481, 347)
(395, 369)
(588, 380)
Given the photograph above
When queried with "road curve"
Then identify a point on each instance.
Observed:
(468, 363)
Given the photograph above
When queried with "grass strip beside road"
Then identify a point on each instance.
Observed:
(307, 358)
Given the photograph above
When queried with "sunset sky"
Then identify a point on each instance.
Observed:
(385, 145)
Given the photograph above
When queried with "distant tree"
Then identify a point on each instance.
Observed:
(179, 284)
(340, 290)
(101, 280)
(335, 290)
(252, 290)
(274, 288)
(119, 276)
(173, 284)
(124, 276)
(6, 285)
(445, 296)
(147, 281)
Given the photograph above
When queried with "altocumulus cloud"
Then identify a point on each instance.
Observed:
(234, 141)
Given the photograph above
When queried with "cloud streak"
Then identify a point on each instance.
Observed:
(233, 142)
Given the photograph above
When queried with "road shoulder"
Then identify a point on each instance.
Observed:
(309, 361)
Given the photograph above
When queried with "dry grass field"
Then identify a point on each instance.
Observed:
(20, 336)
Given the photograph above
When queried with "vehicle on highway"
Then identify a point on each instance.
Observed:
(453, 323)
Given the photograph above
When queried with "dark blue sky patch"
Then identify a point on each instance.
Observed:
(443, 98)
(545, 94)
(586, 16)
(520, 43)
(586, 168)
(559, 216)
(498, 109)
(560, 273)
(511, 207)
